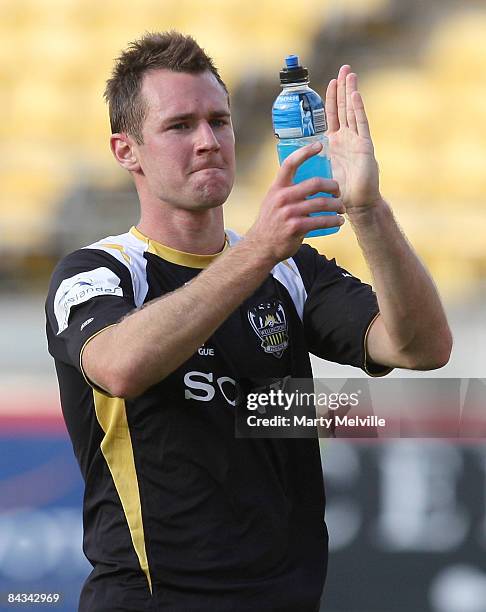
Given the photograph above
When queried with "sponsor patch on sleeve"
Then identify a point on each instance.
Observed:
(81, 288)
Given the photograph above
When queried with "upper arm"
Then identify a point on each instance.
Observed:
(89, 291)
(379, 347)
(95, 359)
(339, 314)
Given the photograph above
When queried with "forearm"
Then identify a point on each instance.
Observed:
(410, 306)
(153, 341)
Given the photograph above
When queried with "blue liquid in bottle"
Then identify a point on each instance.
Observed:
(299, 119)
(317, 165)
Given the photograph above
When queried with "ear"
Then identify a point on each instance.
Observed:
(124, 151)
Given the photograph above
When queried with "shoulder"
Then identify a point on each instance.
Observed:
(121, 248)
(126, 248)
(114, 261)
(310, 262)
(315, 267)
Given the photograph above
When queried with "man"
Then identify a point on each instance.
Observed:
(151, 332)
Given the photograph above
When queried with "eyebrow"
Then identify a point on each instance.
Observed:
(192, 116)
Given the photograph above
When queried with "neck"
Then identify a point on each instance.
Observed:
(200, 232)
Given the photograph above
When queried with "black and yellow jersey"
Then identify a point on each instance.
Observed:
(179, 514)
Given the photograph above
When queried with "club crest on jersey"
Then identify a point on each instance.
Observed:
(270, 325)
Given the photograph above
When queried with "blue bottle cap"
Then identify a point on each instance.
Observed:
(292, 61)
(293, 72)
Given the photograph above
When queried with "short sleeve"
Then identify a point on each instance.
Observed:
(89, 291)
(338, 312)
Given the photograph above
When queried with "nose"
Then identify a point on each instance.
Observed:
(206, 140)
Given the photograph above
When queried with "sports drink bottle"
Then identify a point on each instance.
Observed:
(298, 120)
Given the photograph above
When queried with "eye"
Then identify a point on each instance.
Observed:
(179, 126)
(219, 122)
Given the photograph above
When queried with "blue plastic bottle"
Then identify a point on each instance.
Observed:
(299, 119)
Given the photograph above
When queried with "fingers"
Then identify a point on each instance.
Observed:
(293, 161)
(308, 216)
(331, 106)
(351, 86)
(341, 95)
(312, 186)
(328, 207)
(316, 205)
(336, 101)
(321, 222)
(344, 104)
(363, 127)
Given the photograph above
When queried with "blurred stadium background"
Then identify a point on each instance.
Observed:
(422, 64)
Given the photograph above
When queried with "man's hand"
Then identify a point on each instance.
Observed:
(351, 148)
(284, 217)
(412, 330)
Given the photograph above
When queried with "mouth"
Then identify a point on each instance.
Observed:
(206, 168)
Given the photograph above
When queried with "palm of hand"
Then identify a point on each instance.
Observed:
(354, 167)
(350, 146)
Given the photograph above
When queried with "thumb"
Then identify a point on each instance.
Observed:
(293, 161)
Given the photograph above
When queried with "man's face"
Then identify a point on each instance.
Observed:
(188, 153)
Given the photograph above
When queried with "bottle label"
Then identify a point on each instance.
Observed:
(298, 114)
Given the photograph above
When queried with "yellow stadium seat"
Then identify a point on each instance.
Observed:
(457, 49)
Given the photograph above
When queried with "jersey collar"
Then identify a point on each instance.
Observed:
(189, 260)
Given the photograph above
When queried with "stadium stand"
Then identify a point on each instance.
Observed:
(424, 89)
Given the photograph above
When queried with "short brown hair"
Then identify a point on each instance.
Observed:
(171, 50)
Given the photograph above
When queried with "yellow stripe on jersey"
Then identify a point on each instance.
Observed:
(117, 450)
(285, 262)
(118, 247)
(181, 258)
